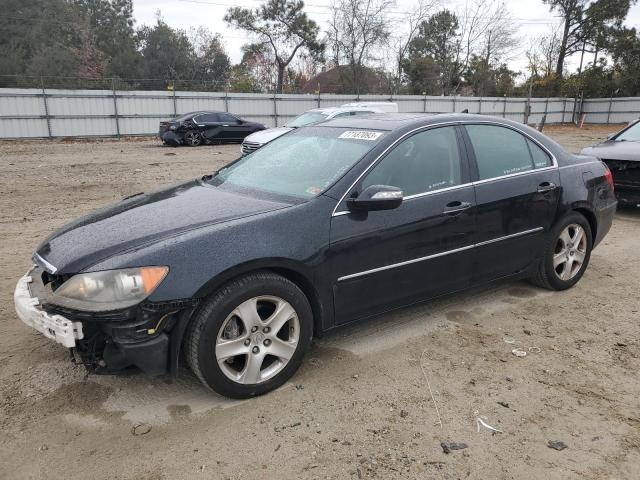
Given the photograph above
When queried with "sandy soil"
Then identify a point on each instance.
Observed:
(361, 405)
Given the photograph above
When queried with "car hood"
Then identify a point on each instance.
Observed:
(613, 150)
(143, 219)
(267, 135)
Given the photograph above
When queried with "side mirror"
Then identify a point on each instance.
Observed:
(376, 197)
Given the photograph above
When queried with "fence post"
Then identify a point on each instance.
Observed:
(453, 105)
(564, 108)
(546, 110)
(609, 111)
(318, 95)
(504, 108)
(46, 107)
(425, 102)
(275, 110)
(115, 106)
(175, 102)
(226, 98)
(480, 106)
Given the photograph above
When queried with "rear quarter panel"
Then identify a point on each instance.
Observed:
(585, 188)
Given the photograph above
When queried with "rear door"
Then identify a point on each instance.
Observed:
(209, 125)
(517, 187)
(385, 259)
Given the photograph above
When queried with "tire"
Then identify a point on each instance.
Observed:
(224, 323)
(192, 138)
(558, 269)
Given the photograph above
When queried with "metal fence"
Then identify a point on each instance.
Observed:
(51, 113)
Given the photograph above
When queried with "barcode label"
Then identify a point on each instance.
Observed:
(360, 135)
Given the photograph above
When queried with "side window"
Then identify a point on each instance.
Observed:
(499, 151)
(343, 114)
(540, 157)
(424, 162)
(362, 112)
(206, 118)
(225, 117)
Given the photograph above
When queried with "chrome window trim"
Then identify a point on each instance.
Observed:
(517, 174)
(43, 263)
(443, 124)
(436, 255)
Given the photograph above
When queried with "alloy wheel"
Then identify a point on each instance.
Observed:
(192, 139)
(570, 252)
(257, 340)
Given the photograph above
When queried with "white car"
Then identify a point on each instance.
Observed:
(254, 141)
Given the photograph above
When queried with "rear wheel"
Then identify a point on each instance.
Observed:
(249, 337)
(192, 138)
(566, 255)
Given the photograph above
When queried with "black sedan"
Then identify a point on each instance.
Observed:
(197, 128)
(324, 226)
(621, 153)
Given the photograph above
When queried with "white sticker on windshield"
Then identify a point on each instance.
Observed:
(360, 135)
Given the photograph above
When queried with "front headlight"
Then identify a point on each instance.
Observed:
(109, 290)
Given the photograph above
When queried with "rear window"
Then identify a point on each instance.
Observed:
(501, 151)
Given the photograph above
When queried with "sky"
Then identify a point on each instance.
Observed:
(532, 17)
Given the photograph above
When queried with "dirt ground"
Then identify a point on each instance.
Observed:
(361, 405)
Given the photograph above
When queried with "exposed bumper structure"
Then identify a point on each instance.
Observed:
(56, 327)
(147, 336)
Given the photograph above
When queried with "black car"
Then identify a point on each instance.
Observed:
(621, 153)
(197, 128)
(322, 227)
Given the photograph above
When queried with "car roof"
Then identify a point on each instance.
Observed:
(330, 110)
(396, 121)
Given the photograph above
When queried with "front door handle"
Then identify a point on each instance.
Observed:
(546, 187)
(454, 208)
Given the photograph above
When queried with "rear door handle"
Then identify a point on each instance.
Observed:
(453, 208)
(546, 187)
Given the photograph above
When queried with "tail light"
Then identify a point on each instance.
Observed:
(608, 176)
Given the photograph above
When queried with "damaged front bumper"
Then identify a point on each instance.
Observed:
(626, 180)
(146, 336)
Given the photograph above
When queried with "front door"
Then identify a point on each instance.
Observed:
(517, 190)
(386, 259)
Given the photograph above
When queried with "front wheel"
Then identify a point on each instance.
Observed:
(249, 337)
(566, 255)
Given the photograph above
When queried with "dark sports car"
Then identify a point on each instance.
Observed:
(324, 226)
(197, 128)
(621, 153)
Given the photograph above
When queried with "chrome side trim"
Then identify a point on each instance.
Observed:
(554, 161)
(507, 237)
(402, 264)
(441, 254)
(43, 263)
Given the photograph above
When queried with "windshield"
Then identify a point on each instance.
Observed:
(632, 134)
(309, 118)
(302, 163)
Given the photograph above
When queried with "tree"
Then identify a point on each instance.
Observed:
(410, 23)
(167, 54)
(583, 21)
(212, 64)
(439, 39)
(358, 26)
(38, 37)
(284, 27)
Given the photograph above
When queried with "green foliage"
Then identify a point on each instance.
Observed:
(437, 40)
(284, 27)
